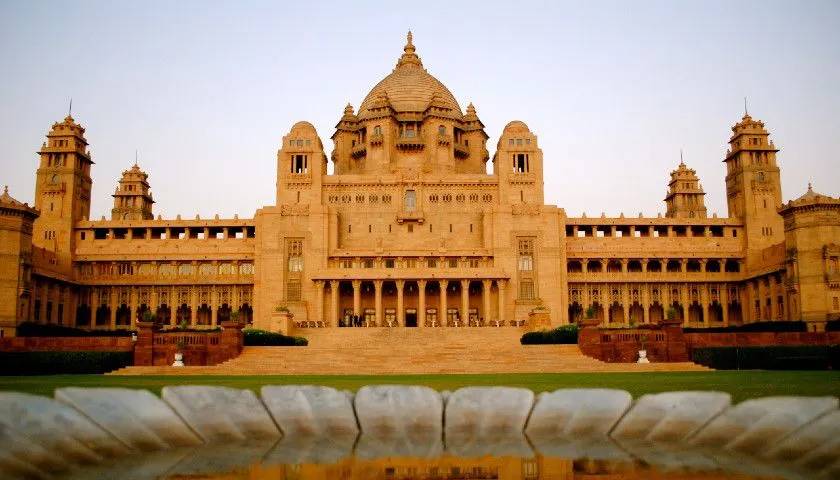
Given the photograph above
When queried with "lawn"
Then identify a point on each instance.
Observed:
(741, 385)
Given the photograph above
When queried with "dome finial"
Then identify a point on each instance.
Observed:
(810, 189)
(409, 57)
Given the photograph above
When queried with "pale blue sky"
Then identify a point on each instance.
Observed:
(614, 90)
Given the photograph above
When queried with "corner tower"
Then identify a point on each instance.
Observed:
(133, 199)
(753, 186)
(62, 189)
(685, 198)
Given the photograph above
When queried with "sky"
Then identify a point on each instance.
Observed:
(205, 90)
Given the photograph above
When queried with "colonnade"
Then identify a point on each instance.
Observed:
(491, 310)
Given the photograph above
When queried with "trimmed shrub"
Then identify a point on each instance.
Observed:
(253, 337)
(832, 326)
(777, 357)
(189, 330)
(55, 363)
(784, 326)
(31, 329)
(567, 334)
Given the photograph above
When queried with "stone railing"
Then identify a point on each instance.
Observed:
(664, 342)
(155, 347)
(199, 430)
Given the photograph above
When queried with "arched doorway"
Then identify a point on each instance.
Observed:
(656, 313)
(183, 315)
(164, 315)
(575, 313)
(203, 315)
(83, 316)
(695, 313)
(123, 316)
(637, 314)
(715, 313)
(103, 315)
(616, 313)
(223, 314)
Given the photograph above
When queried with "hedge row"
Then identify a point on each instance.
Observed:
(796, 357)
(54, 363)
(567, 334)
(253, 337)
(783, 326)
(31, 329)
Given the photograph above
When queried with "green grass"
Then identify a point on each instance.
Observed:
(741, 385)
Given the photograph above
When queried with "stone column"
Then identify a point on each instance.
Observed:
(465, 302)
(444, 284)
(214, 311)
(421, 303)
(318, 311)
(704, 302)
(377, 289)
(684, 302)
(502, 284)
(645, 301)
(485, 298)
(724, 304)
(132, 300)
(357, 297)
(193, 305)
(112, 299)
(334, 303)
(625, 303)
(400, 304)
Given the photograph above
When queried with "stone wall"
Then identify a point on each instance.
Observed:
(666, 342)
(66, 344)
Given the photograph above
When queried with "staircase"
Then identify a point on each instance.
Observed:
(386, 351)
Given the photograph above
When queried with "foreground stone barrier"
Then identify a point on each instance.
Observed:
(136, 417)
(783, 437)
(58, 427)
(577, 412)
(670, 416)
(221, 414)
(758, 424)
(310, 410)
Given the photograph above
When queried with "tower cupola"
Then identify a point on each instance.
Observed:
(685, 197)
(133, 197)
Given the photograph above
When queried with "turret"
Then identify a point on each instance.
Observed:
(685, 194)
(518, 163)
(133, 199)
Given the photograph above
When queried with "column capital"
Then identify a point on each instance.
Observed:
(400, 284)
(318, 282)
(356, 283)
(465, 283)
(333, 283)
(421, 283)
(443, 283)
(486, 282)
(378, 283)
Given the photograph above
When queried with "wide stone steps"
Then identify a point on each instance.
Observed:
(384, 351)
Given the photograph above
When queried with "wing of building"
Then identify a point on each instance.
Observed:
(410, 231)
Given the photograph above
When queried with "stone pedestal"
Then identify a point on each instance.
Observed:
(539, 319)
(144, 347)
(282, 322)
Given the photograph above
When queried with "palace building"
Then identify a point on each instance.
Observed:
(410, 231)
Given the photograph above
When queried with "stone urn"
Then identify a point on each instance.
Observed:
(179, 360)
(643, 357)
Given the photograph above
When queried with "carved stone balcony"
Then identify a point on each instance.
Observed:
(359, 150)
(461, 150)
(410, 216)
(444, 139)
(376, 139)
(410, 143)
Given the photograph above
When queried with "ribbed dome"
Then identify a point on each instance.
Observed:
(410, 88)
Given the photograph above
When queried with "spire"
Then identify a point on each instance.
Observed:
(135, 157)
(682, 163)
(810, 189)
(409, 57)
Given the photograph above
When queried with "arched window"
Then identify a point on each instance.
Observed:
(441, 130)
(377, 130)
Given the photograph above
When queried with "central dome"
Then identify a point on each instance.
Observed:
(410, 88)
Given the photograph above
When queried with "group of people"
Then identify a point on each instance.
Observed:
(352, 321)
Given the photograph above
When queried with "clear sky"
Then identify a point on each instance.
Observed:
(205, 90)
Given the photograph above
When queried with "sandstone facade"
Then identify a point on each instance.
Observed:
(410, 231)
